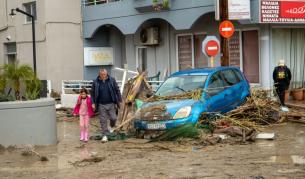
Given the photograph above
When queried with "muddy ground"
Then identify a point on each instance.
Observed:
(134, 158)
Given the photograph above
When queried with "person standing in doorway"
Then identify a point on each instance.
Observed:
(106, 98)
(281, 78)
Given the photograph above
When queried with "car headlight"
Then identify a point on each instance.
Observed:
(183, 112)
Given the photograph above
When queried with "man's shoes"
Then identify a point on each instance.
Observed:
(104, 139)
(284, 109)
(111, 130)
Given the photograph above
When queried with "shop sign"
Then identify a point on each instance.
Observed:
(239, 9)
(96, 56)
(282, 11)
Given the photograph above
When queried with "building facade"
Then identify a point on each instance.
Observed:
(59, 42)
(127, 27)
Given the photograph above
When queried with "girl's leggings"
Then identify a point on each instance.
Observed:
(84, 127)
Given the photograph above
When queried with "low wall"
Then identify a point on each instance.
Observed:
(69, 100)
(28, 122)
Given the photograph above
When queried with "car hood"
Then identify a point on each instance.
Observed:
(172, 106)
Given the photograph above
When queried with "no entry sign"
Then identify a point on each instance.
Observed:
(212, 48)
(226, 29)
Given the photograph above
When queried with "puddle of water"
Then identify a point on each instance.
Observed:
(288, 170)
(265, 144)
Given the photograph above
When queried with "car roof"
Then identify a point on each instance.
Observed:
(202, 71)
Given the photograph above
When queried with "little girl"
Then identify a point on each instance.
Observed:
(83, 108)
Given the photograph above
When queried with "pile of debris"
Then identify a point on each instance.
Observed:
(135, 88)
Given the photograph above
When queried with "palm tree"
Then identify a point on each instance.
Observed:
(16, 75)
(2, 81)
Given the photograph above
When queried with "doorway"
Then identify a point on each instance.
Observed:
(250, 49)
(141, 58)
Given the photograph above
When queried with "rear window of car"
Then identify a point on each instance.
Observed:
(239, 75)
(230, 77)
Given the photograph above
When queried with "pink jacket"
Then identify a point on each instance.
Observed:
(89, 105)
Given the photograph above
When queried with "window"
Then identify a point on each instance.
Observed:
(181, 84)
(10, 52)
(239, 75)
(96, 2)
(230, 78)
(31, 9)
(216, 84)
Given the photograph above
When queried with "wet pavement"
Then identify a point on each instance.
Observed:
(280, 159)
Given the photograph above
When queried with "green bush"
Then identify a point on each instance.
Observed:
(4, 97)
(33, 87)
(13, 76)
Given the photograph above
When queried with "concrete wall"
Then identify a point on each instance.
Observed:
(64, 41)
(28, 122)
(106, 37)
(123, 14)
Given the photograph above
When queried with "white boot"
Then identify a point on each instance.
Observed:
(104, 139)
(284, 109)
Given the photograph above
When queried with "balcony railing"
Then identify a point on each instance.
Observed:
(97, 2)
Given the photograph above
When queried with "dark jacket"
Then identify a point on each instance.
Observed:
(113, 88)
(286, 80)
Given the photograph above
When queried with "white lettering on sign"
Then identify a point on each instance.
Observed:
(226, 29)
(282, 11)
(213, 48)
(300, 10)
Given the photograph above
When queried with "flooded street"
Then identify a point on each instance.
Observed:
(134, 158)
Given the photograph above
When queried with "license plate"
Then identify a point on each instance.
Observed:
(156, 126)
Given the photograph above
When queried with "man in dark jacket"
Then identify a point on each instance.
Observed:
(106, 97)
(281, 78)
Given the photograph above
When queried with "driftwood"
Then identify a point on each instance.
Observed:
(136, 88)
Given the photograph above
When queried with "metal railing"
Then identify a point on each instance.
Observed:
(74, 86)
(97, 2)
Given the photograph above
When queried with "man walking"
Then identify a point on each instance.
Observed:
(106, 97)
(281, 78)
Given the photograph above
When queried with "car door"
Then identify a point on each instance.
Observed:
(214, 96)
(233, 89)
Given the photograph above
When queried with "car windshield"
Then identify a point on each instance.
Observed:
(181, 84)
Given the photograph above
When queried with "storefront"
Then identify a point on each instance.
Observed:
(287, 32)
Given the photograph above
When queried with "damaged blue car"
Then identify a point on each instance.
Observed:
(221, 89)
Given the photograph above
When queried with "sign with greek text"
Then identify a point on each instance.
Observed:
(239, 9)
(96, 56)
(282, 11)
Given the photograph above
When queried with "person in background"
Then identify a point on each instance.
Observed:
(281, 78)
(106, 98)
(84, 109)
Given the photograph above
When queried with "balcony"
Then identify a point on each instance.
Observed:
(97, 2)
(149, 5)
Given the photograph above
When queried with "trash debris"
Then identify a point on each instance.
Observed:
(183, 131)
(268, 136)
(136, 88)
(195, 95)
(31, 152)
(88, 161)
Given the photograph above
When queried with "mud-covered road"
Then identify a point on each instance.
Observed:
(133, 158)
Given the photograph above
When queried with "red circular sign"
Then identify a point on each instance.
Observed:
(226, 29)
(212, 48)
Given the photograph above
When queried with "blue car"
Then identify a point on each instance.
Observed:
(224, 89)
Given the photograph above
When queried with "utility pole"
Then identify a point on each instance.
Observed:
(224, 15)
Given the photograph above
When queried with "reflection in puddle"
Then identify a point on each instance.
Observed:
(298, 159)
(293, 159)
(289, 170)
(265, 144)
